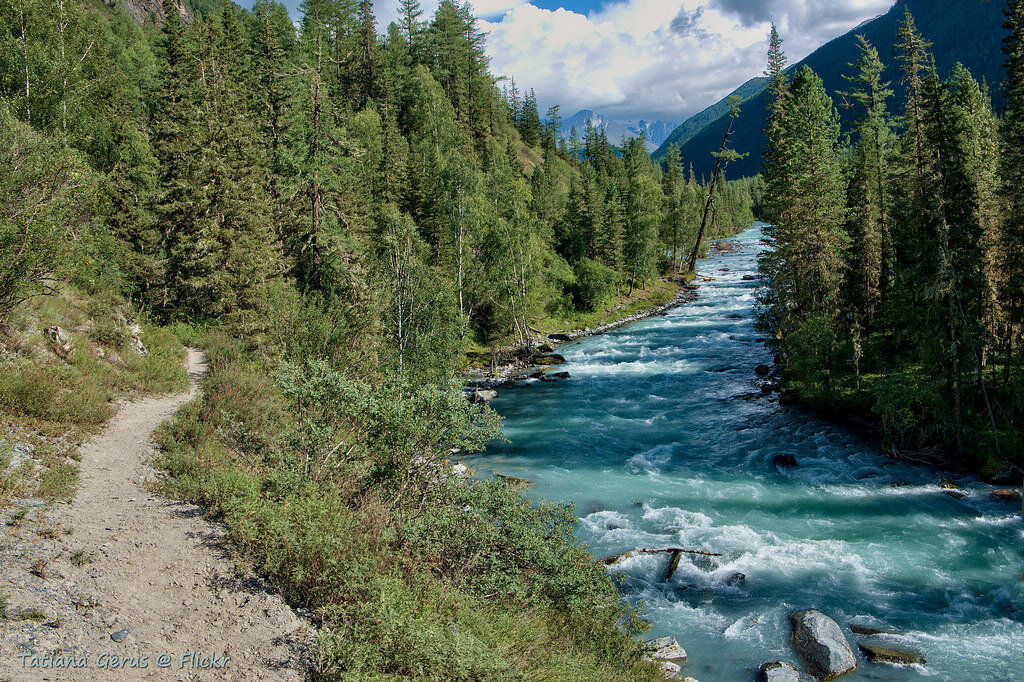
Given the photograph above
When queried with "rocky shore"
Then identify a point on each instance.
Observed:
(522, 363)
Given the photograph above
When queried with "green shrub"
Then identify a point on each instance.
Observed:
(318, 477)
(595, 283)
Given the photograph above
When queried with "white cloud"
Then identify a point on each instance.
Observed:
(655, 58)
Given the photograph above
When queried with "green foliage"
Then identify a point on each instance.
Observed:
(46, 199)
(594, 284)
(335, 217)
(917, 320)
(351, 512)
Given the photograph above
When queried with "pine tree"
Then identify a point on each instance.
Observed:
(410, 17)
(643, 207)
(367, 62)
(805, 202)
(869, 229)
(674, 207)
(272, 48)
(1011, 188)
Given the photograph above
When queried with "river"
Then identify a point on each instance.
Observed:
(654, 442)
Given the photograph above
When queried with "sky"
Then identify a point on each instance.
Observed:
(649, 59)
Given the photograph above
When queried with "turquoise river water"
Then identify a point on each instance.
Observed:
(654, 443)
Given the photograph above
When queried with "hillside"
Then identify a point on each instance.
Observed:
(966, 31)
(698, 122)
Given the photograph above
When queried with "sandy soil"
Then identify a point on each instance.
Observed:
(157, 573)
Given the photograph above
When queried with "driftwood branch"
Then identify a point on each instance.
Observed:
(673, 563)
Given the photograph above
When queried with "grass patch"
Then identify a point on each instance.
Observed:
(58, 482)
(56, 395)
(37, 615)
(80, 557)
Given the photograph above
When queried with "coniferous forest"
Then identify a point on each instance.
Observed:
(894, 275)
(341, 223)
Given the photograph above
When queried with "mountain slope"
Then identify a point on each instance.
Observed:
(968, 31)
(698, 122)
(618, 131)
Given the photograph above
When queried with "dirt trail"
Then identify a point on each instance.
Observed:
(158, 569)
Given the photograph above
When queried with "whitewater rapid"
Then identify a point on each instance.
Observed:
(658, 442)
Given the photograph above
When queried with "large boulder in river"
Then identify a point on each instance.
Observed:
(551, 359)
(670, 671)
(780, 671)
(482, 396)
(1006, 494)
(762, 370)
(821, 645)
(878, 650)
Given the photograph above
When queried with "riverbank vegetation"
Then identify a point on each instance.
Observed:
(893, 284)
(336, 217)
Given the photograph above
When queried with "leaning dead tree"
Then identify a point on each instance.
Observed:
(723, 156)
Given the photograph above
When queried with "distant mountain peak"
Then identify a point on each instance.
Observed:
(619, 131)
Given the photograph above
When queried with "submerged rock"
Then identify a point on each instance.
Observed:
(554, 376)
(736, 579)
(514, 481)
(749, 278)
(552, 359)
(762, 370)
(780, 671)
(821, 644)
(868, 630)
(878, 650)
(785, 461)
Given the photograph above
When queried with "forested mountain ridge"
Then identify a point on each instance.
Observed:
(965, 31)
(698, 122)
(335, 217)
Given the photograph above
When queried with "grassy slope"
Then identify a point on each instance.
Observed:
(48, 405)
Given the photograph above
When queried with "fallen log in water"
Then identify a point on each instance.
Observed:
(673, 563)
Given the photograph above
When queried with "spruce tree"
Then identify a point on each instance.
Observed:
(871, 246)
(1011, 187)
